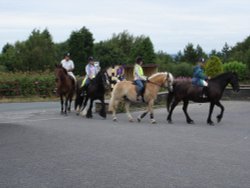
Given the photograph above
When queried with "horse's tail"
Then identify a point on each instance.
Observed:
(79, 98)
(170, 97)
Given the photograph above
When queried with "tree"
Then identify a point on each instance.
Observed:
(38, 52)
(225, 53)
(190, 55)
(213, 66)
(81, 45)
(143, 47)
(163, 60)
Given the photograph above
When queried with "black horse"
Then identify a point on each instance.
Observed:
(95, 91)
(185, 91)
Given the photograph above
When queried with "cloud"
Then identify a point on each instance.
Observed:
(169, 24)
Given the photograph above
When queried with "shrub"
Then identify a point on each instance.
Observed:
(213, 66)
(27, 84)
(238, 67)
(181, 70)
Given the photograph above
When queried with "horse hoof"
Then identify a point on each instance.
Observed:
(211, 123)
(218, 119)
(131, 120)
(169, 121)
(153, 121)
(190, 122)
(138, 119)
(115, 119)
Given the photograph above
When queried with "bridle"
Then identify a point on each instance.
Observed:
(160, 85)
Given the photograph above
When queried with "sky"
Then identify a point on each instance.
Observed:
(170, 24)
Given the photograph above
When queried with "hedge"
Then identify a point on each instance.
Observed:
(27, 84)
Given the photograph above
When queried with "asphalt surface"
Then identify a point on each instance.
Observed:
(40, 148)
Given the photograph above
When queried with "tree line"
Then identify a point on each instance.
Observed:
(40, 53)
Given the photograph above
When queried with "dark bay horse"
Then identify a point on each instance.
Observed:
(65, 88)
(185, 91)
(95, 91)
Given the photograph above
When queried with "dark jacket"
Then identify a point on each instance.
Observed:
(198, 76)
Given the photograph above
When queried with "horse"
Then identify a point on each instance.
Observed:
(65, 88)
(126, 91)
(185, 91)
(95, 91)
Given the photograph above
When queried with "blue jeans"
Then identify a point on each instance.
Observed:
(139, 85)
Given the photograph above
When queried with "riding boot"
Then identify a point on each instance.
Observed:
(84, 91)
(204, 92)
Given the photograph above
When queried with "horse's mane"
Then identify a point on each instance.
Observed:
(222, 75)
(59, 66)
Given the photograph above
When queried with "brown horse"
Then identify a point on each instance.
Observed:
(65, 87)
(185, 91)
(126, 91)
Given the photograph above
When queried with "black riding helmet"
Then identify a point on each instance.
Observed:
(138, 59)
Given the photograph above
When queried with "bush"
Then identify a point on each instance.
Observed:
(238, 67)
(213, 66)
(181, 69)
(27, 84)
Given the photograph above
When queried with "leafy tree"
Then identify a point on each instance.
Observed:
(38, 52)
(143, 47)
(164, 61)
(225, 53)
(238, 67)
(190, 55)
(81, 45)
(213, 66)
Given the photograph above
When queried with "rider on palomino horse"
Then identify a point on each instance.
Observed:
(139, 77)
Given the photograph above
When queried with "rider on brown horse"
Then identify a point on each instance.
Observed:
(68, 64)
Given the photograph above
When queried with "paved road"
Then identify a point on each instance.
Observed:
(40, 148)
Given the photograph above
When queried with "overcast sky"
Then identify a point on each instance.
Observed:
(171, 24)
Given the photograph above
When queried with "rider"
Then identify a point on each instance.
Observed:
(120, 73)
(139, 77)
(68, 64)
(199, 78)
(91, 71)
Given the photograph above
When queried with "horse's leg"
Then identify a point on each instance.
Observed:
(219, 117)
(127, 104)
(211, 108)
(140, 117)
(61, 97)
(103, 109)
(66, 105)
(115, 105)
(84, 107)
(89, 113)
(184, 108)
(174, 104)
(70, 100)
(150, 108)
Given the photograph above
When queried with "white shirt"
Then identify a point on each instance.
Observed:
(68, 65)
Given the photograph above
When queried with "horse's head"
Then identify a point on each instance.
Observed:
(162, 79)
(170, 81)
(234, 81)
(103, 79)
(60, 72)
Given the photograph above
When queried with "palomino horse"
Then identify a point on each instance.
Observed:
(65, 87)
(126, 90)
(185, 91)
(95, 91)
